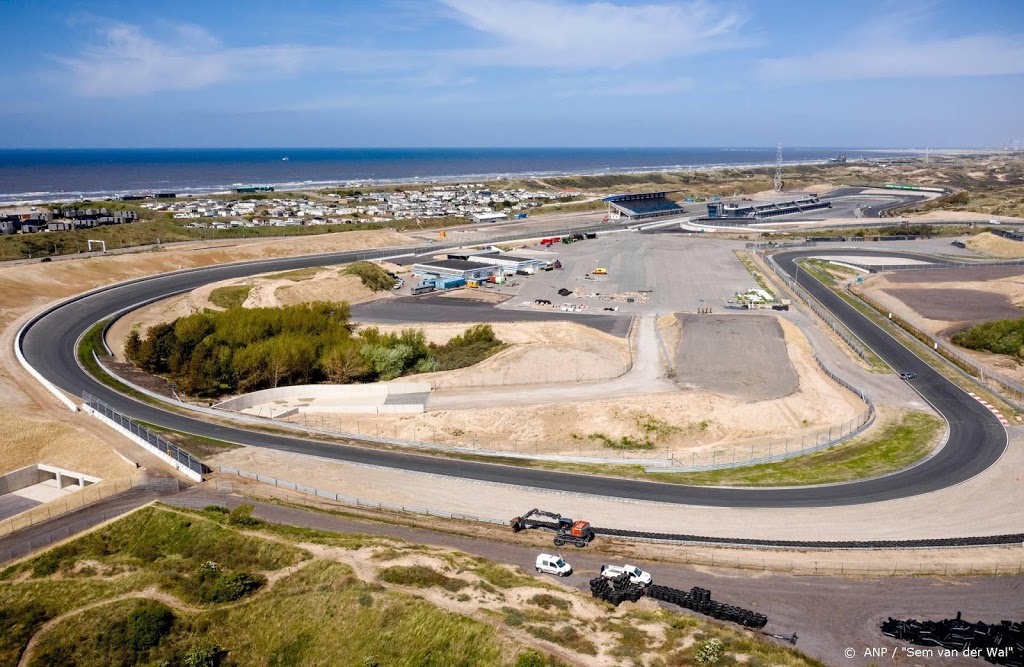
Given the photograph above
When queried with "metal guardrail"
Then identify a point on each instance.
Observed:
(822, 440)
(177, 453)
(1010, 391)
(855, 343)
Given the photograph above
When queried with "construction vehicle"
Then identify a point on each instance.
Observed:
(567, 531)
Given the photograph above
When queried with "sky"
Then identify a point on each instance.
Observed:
(426, 73)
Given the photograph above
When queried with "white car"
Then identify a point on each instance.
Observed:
(553, 564)
(636, 575)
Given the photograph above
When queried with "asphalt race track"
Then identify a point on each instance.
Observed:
(976, 438)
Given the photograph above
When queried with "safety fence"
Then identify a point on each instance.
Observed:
(1010, 391)
(90, 495)
(793, 283)
(757, 554)
(355, 502)
(152, 440)
(740, 456)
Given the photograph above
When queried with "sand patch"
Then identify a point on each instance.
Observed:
(692, 420)
(996, 246)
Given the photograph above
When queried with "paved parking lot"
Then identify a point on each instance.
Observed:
(682, 274)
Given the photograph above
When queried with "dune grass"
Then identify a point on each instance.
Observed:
(231, 296)
(320, 615)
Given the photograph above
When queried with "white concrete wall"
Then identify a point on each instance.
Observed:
(185, 470)
(329, 397)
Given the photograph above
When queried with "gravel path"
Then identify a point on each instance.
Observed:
(645, 377)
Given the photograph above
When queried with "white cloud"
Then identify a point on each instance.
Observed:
(887, 55)
(128, 62)
(559, 34)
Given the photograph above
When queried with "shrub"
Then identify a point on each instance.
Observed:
(231, 587)
(147, 625)
(372, 275)
(242, 516)
(998, 336)
(709, 651)
(205, 654)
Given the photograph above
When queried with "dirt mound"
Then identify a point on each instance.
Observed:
(996, 246)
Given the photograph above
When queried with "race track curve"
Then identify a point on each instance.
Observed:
(976, 438)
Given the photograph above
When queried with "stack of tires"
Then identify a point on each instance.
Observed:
(1000, 644)
(699, 600)
(617, 590)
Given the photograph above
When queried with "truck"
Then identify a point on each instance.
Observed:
(520, 216)
(577, 533)
(635, 574)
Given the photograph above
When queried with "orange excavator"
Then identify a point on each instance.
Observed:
(577, 533)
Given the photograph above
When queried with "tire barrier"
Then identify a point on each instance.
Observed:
(619, 589)
(616, 590)
(699, 600)
(994, 540)
(1001, 644)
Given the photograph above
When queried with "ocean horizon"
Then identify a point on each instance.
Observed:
(41, 175)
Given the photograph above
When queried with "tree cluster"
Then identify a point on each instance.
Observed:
(242, 349)
(999, 336)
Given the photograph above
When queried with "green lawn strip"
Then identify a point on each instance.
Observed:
(92, 341)
(196, 445)
(899, 445)
(295, 275)
(230, 296)
(876, 362)
(754, 272)
(927, 354)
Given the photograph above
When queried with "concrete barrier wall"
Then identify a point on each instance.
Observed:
(185, 470)
(361, 396)
(19, 479)
(38, 473)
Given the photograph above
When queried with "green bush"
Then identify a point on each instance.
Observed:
(205, 654)
(231, 587)
(242, 516)
(999, 336)
(372, 275)
(147, 625)
(243, 350)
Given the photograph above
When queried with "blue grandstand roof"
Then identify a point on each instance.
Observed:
(639, 195)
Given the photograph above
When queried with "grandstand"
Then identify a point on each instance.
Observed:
(641, 206)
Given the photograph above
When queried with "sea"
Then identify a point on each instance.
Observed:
(36, 175)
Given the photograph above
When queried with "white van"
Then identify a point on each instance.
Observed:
(553, 564)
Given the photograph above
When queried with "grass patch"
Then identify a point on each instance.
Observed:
(313, 617)
(296, 275)
(752, 269)
(899, 445)
(372, 275)
(197, 445)
(626, 442)
(420, 576)
(546, 601)
(501, 575)
(193, 558)
(231, 296)
(566, 636)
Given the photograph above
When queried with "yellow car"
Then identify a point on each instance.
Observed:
(600, 272)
